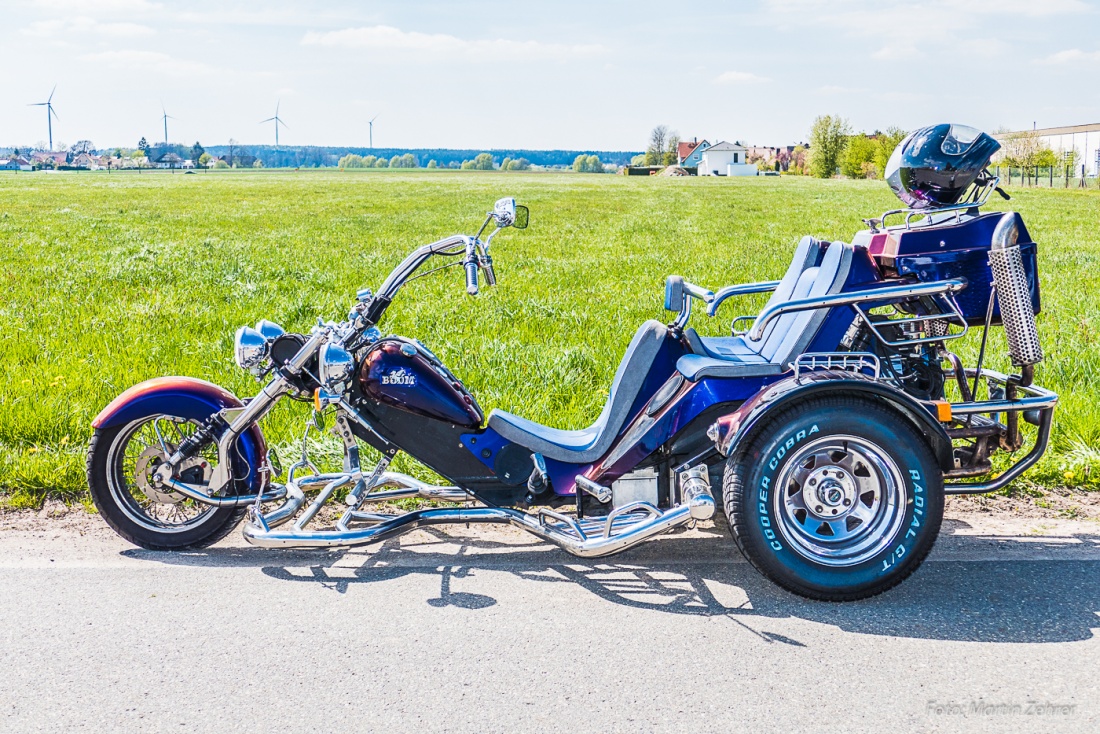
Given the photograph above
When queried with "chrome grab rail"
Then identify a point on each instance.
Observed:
(889, 293)
(743, 289)
(1036, 398)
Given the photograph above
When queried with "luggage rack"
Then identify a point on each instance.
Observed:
(848, 361)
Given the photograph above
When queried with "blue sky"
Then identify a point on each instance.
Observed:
(539, 74)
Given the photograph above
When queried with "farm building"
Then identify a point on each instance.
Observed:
(1084, 139)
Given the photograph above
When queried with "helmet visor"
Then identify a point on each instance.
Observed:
(958, 140)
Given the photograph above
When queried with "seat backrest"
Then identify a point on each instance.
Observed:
(806, 255)
(793, 332)
(632, 372)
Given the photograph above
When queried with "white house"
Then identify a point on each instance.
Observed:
(726, 159)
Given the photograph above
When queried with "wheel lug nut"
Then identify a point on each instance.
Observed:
(847, 503)
(834, 512)
(819, 508)
(813, 482)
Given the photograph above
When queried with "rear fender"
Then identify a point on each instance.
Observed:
(733, 430)
(185, 397)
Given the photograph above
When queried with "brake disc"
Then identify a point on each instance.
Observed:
(195, 470)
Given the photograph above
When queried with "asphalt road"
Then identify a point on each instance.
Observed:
(483, 631)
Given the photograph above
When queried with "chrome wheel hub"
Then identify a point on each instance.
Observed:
(840, 500)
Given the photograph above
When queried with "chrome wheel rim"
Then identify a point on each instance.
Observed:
(135, 454)
(840, 500)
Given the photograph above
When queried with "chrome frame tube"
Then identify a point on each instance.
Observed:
(198, 495)
(1036, 398)
(565, 532)
(1046, 419)
(887, 294)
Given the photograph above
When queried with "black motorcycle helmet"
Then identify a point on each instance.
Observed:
(935, 165)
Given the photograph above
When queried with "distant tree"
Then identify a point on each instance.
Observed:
(369, 161)
(506, 164)
(671, 155)
(828, 139)
(482, 162)
(82, 146)
(432, 164)
(257, 163)
(1045, 158)
(139, 153)
(143, 145)
(395, 161)
(408, 160)
(859, 150)
(197, 152)
(638, 160)
(658, 143)
(219, 163)
(381, 163)
(587, 164)
(515, 164)
(351, 160)
(204, 159)
(885, 143)
(1020, 149)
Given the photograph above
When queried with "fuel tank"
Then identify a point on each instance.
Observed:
(403, 374)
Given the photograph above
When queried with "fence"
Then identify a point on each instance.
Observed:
(1055, 177)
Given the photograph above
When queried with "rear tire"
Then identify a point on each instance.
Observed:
(835, 499)
(136, 516)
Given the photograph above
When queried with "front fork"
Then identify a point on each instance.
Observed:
(239, 420)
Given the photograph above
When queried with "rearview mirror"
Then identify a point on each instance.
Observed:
(523, 217)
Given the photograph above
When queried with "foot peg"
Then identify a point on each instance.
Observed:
(600, 492)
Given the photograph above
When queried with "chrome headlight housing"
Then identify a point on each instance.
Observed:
(249, 348)
(335, 366)
(269, 329)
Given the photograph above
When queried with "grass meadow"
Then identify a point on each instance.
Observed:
(111, 279)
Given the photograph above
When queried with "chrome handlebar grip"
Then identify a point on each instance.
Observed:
(487, 266)
(471, 277)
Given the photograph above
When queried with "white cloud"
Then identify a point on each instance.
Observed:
(739, 77)
(149, 61)
(388, 38)
(86, 26)
(1070, 56)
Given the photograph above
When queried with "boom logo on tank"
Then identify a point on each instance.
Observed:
(400, 376)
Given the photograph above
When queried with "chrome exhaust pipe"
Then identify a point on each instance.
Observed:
(236, 501)
(1013, 294)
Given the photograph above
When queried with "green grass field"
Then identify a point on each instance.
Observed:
(109, 280)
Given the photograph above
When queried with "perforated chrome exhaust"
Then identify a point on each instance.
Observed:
(1013, 294)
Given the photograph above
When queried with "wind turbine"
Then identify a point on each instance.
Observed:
(371, 125)
(278, 121)
(50, 114)
(166, 117)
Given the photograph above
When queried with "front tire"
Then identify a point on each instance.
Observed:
(835, 499)
(121, 460)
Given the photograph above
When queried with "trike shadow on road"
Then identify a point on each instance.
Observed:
(989, 600)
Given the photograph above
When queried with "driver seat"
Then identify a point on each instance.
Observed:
(589, 444)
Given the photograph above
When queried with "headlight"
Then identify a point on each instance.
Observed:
(335, 367)
(249, 348)
(269, 329)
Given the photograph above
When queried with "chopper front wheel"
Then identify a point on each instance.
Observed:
(121, 462)
(835, 499)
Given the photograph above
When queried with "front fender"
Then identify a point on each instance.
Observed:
(730, 430)
(186, 397)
